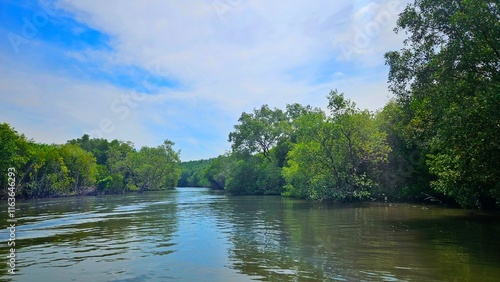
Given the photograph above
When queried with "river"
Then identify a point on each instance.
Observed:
(195, 234)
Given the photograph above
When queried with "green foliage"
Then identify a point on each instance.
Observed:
(256, 175)
(84, 165)
(111, 184)
(14, 153)
(14, 147)
(48, 175)
(148, 169)
(58, 170)
(98, 147)
(447, 82)
(303, 153)
(193, 174)
(217, 171)
(259, 131)
(261, 143)
(406, 176)
(81, 165)
(337, 156)
(243, 176)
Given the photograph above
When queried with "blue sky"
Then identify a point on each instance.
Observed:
(145, 71)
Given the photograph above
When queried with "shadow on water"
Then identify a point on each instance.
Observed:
(197, 234)
(462, 247)
(280, 239)
(261, 241)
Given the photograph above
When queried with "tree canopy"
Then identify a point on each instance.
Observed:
(85, 166)
(447, 82)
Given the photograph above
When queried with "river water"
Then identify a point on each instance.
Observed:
(192, 234)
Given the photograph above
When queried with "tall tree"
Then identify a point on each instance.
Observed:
(14, 153)
(447, 77)
(406, 176)
(81, 165)
(97, 146)
(151, 168)
(336, 156)
(259, 131)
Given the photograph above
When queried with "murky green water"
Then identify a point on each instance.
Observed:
(199, 235)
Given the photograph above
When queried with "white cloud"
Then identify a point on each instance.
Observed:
(59, 108)
(229, 58)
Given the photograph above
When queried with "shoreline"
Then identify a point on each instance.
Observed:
(329, 202)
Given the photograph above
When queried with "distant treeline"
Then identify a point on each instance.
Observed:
(437, 140)
(84, 166)
(193, 174)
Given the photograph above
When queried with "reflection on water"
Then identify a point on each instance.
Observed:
(199, 235)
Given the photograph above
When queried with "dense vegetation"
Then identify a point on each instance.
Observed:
(438, 139)
(85, 166)
(303, 152)
(446, 83)
(193, 175)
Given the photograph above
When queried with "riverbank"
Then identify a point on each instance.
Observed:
(430, 202)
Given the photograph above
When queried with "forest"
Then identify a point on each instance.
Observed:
(85, 166)
(436, 140)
